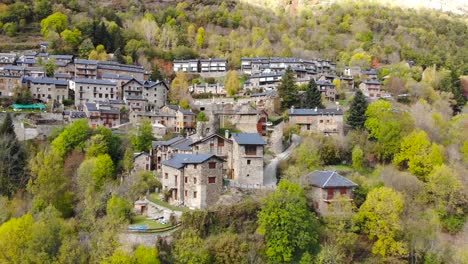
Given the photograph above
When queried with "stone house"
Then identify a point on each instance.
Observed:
(245, 117)
(216, 145)
(85, 69)
(47, 89)
(92, 90)
(168, 120)
(215, 89)
(371, 88)
(325, 187)
(141, 162)
(247, 155)
(185, 119)
(327, 121)
(193, 180)
(8, 83)
(112, 67)
(327, 89)
(368, 74)
(162, 150)
(156, 93)
(102, 114)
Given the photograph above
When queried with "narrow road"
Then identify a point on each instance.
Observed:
(269, 173)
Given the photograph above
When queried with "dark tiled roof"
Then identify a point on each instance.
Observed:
(312, 112)
(179, 160)
(324, 83)
(116, 76)
(91, 62)
(167, 142)
(61, 57)
(186, 112)
(116, 101)
(248, 139)
(94, 81)
(78, 114)
(372, 81)
(91, 106)
(45, 80)
(183, 145)
(208, 137)
(137, 154)
(328, 179)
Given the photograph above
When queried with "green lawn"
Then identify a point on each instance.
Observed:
(154, 197)
(141, 220)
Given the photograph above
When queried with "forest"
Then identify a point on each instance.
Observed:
(67, 199)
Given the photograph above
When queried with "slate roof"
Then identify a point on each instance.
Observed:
(186, 112)
(167, 142)
(312, 112)
(61, 57)
(328, 179)
(324, 83)
(179, 160)
(45, 80)
(137, 154)
(248, 139)
(94, 81)
(78, 114)
(183, 145)
(116, 76)
(81, 61)
(372, 81)
(208, 137)
(91, 106)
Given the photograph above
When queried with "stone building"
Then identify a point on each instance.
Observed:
(185, 119)
(245, 117)
(162, 150)
(193, 180)
(216, 145)
(326, 187)
(327, 121)
(85, 69)
(371, 88)
(92, 90)
(47, 89)
(327, 89)
(247, 155)
(141, 162)
(102, 114)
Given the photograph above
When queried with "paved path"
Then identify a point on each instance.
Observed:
(269, 173)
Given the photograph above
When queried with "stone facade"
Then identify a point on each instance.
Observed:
(195, 184)
(47, 89)
(91, 90)
(219, 146)
(141, 162)
(247, 159)
(327, 121)
(371, 88)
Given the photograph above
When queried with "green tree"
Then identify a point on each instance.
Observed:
(156, 74)
(379, 217)
(141, 139)
(189, 249)
(7, 128)
(48, 184)
(99, 53)
(444, 188)
(200, 37)
(287, 224)
(184, 104)
(50, 67)
(387, 126)
(42, 9)
(357, 112)
(144, 255)
(97, 145)
(201, 117)
(119, 210)
(357, 157)
(313, 97)
(73, 136)
(232, 83)
(287, 90)
(57, 22)
(72, 38)
(13, 160)
(11, 29)
(85, 48)
(418, 154)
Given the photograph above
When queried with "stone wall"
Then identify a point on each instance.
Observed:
(245, 173)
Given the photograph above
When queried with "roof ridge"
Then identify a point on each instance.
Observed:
(325, 184)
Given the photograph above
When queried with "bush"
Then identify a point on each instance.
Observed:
(453, 223)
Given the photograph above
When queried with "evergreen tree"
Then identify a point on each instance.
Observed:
(7, 127)
(118, 57)
(357, 117)
(287, 90)
(313, 97)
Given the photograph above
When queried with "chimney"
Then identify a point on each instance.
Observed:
(292, 109)
(226, 133)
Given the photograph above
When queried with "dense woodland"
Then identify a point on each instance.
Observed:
(66, 199)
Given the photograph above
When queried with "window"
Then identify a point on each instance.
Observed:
(250, 150)
(166, 176)
(185, 193)
(212, 165)
(248, 162)
(195, 180)
(194, 166)
(194, 194)
(321, 121)
(186, 180)
(211, 179)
